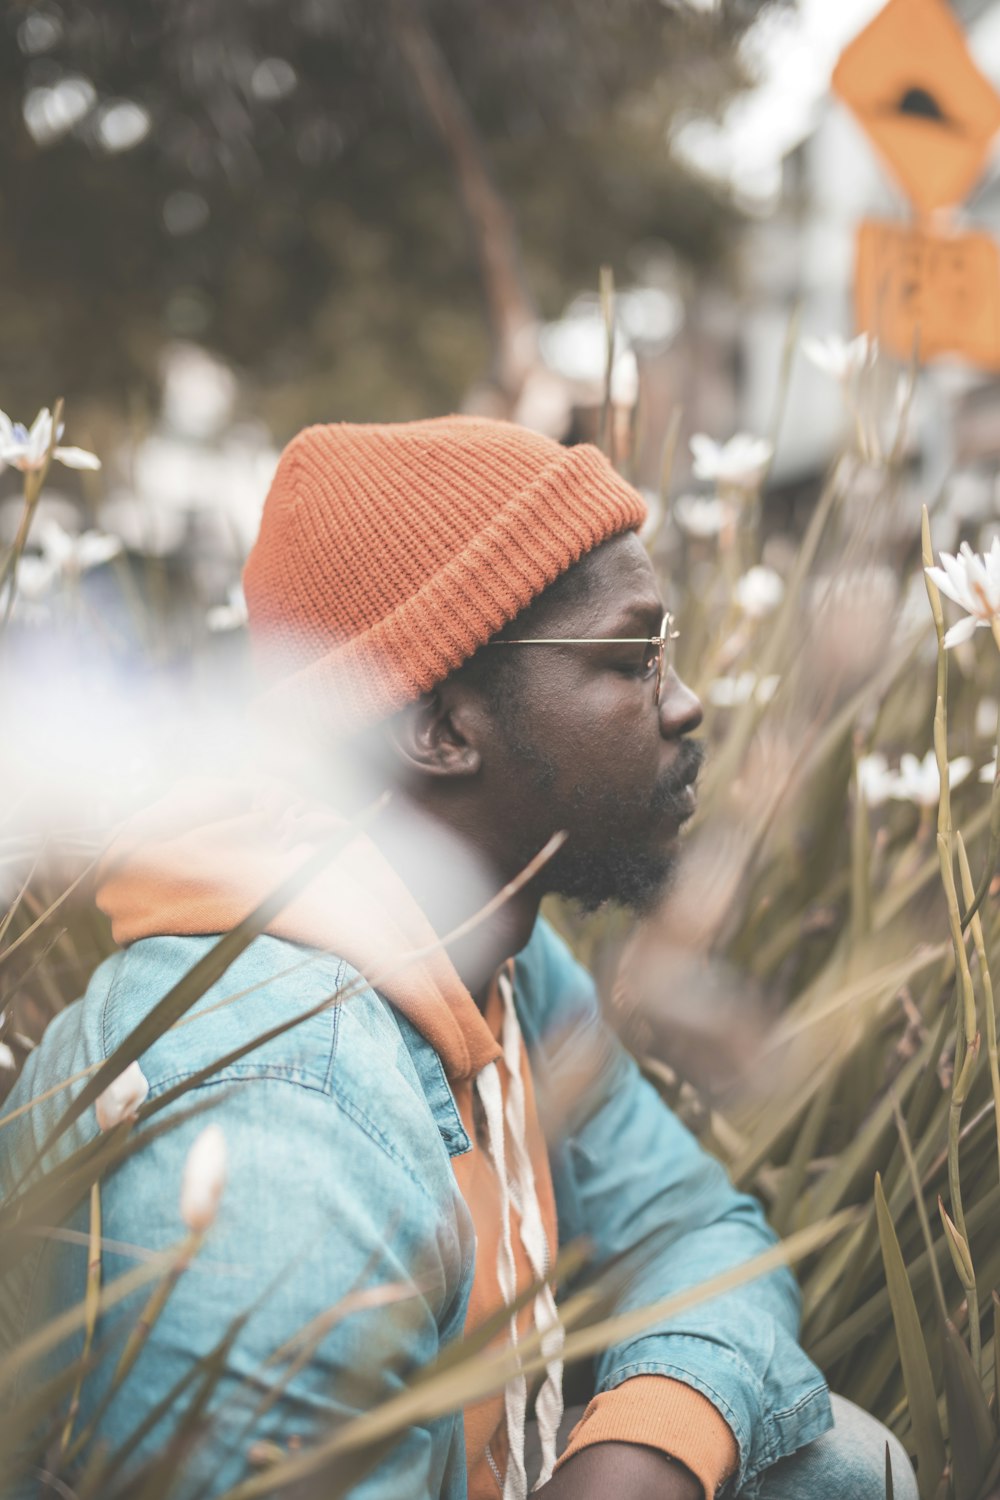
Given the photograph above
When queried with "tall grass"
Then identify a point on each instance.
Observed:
(815, 996)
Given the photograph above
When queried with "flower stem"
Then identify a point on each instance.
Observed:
(34, 480)
(968, 1040)
(986, 979)
(136, 1340)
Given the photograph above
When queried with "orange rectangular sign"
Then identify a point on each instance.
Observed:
(938, 291)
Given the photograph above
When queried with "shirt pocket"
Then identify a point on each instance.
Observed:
(272, 1014)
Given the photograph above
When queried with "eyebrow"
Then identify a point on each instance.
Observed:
(635, 619)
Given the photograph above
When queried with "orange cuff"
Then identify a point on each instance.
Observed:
(658, 1412)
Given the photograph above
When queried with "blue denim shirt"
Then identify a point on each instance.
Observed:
(340, 1135)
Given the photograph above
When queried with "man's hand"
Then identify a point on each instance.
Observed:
(625, 1471)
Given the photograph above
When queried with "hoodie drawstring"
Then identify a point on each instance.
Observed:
(549, 1404)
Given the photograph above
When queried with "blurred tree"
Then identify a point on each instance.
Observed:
(293, 183)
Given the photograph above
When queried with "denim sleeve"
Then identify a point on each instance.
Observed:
(629, 1174)
(332, 1268)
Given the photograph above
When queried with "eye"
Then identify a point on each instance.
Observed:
(639, 662)
(650, 658)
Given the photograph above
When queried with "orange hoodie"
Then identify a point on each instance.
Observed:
(198, 862)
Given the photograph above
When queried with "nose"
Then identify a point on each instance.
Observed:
(680, 708)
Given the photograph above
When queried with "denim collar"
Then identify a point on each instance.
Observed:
(434, 1082)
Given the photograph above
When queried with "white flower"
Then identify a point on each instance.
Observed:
(122, 1097)
(35, 576)
(974, 583)
(989, 773)
(875, 780)
(987, 713)
(72, 555)
(25, 448)
(759, 592)
(702, 516)
(232, 614)
(730, 692)
(738, 464)
(919, 781)
(204, 1178)
(844, 360)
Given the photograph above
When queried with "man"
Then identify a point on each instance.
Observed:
(461, 611)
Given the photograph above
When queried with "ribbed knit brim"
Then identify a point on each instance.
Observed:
(388, 555)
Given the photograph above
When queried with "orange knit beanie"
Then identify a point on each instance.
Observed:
(388, 555)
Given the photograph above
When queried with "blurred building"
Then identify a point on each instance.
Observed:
(803, 169)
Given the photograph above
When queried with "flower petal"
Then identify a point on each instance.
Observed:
(122, 1097)
(944, 585)
(204, 1178)
(77, 458)
(963, 631)
(96, 547)
(819, 353)
(707, 456)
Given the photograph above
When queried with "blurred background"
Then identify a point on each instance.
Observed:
(224, 221)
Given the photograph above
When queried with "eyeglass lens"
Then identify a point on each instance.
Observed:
(663, 654)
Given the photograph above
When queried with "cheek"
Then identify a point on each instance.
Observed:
(606, 730)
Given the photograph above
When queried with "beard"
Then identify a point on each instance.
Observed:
(609, 855)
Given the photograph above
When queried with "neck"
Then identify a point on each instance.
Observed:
(452, 877)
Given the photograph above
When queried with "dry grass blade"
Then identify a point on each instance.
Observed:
(51, 1334)
(138, 1335)
(970, 1425)
(43, 917)
(19, 895)
(918, 1201)
(54, 1196)
(986, 983)
(205, 973)
(25, 1434)
(607, 296)
(913, 1356)
(975, 902)
(437, 1395)
(91, 1304)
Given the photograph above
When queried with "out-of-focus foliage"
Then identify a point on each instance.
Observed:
(806, 998)
(267, 179)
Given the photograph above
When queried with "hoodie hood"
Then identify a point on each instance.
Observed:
(202, 858)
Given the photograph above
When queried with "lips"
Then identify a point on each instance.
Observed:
(676, 796)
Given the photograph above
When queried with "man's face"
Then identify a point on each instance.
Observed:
(582, 744)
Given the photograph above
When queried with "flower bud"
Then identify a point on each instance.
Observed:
(959, 1247)
(204, 1178)
(122, 1097)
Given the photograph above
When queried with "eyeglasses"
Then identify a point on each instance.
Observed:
(660, 646)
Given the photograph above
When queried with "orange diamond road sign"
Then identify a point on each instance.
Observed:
(941, 291)
(910, 81)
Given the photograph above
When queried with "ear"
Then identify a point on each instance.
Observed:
(438, 735)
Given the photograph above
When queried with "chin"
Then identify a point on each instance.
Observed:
(635, 880)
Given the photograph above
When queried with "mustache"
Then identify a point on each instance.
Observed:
(673, 783)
